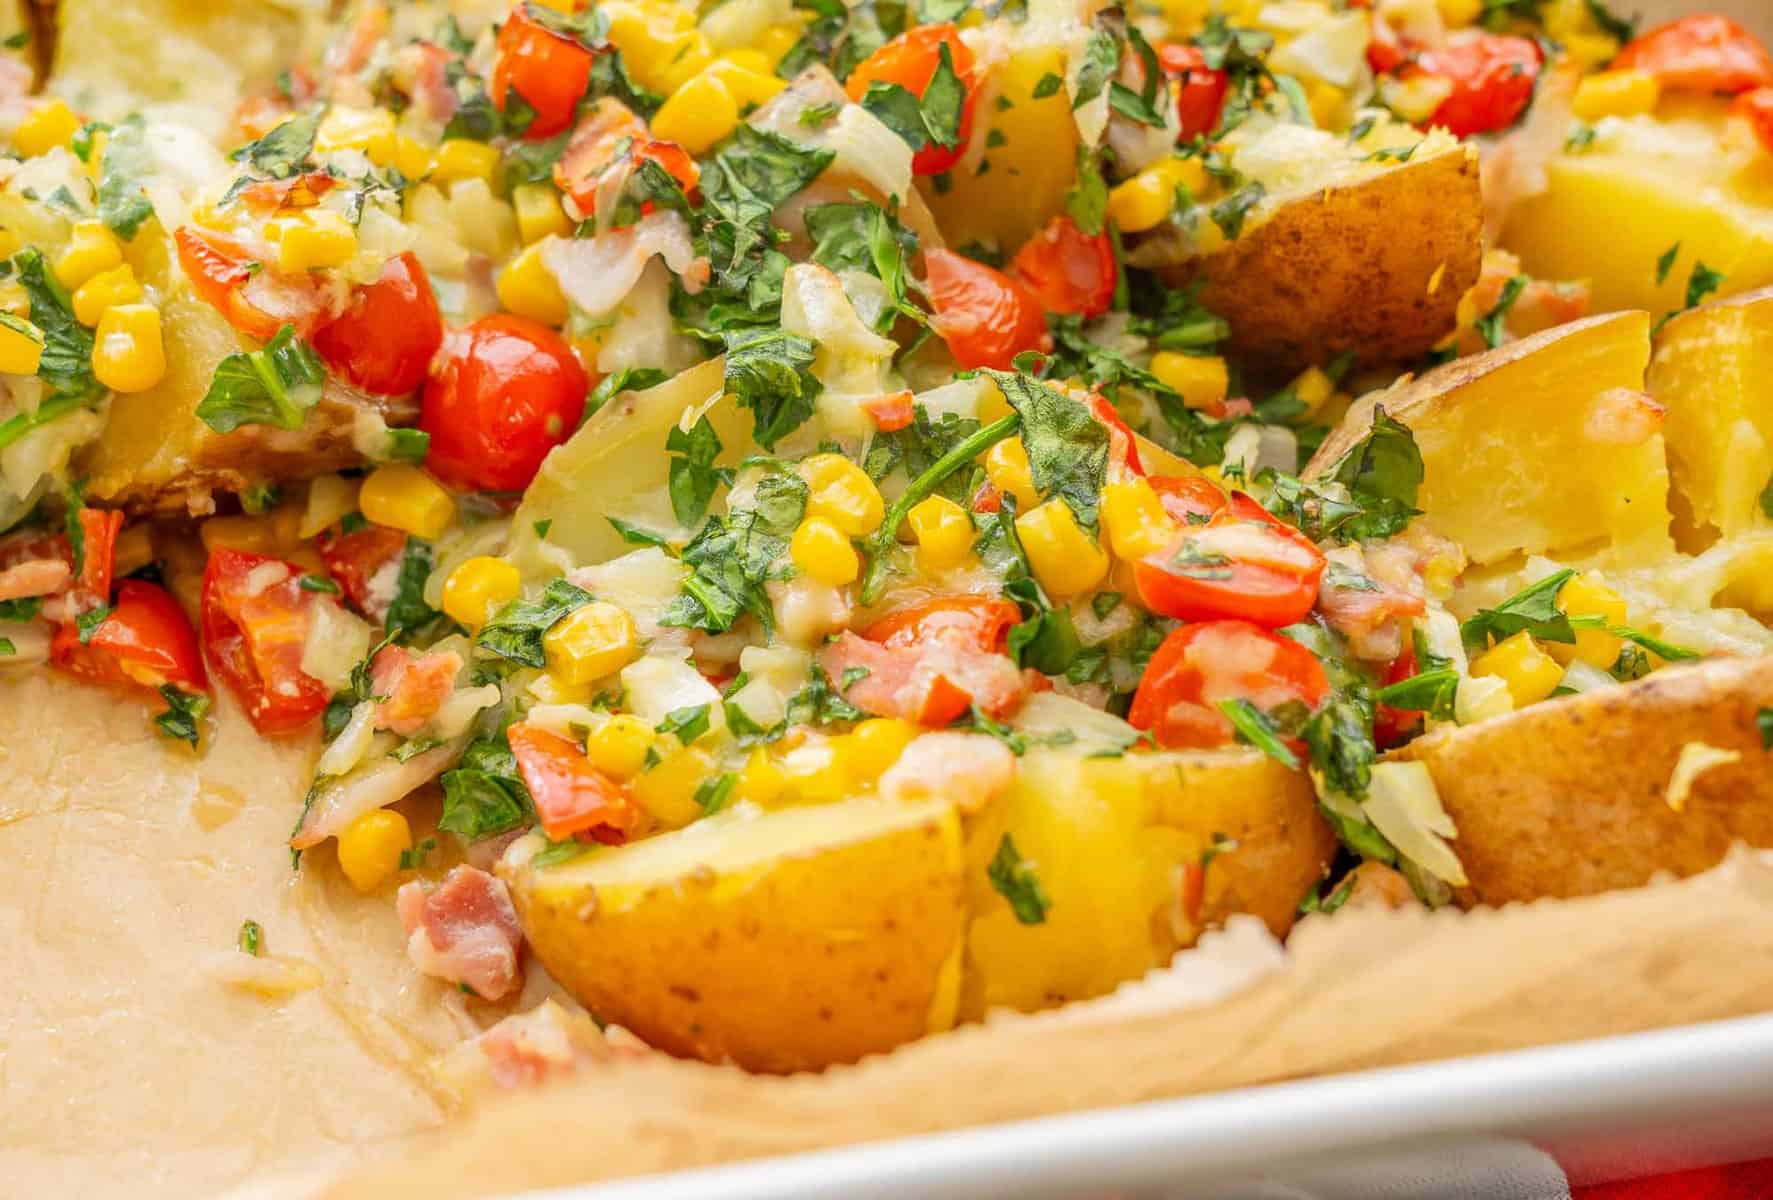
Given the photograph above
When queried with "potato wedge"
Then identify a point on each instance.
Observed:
(782, 941)
(1570, 797)
(1108, 839)
(1536, 447)
(1712, 369)
(1329, 272)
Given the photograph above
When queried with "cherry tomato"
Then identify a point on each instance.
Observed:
(1067, 270)
(146, 641)
(355, 559)
(911, 60)
(1392, 725)
(549, 72)
(1385, 53)
(1706, 52)
(986, 317)
(254, 631)
(272, 194)
(1198, 666)
(1189, 499)
(891, 411)
(571, 796)
(1493, 77)
(1122, 445)
(256, 302)
(932, 662)
(98, 558)
(1756, 108)
(385, 339)
(979, 621)
(612, 137)
(1235, 566)
(1201, 98)
(508, 391)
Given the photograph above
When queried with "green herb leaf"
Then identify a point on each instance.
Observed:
(1533, 609)
(1764, 722)
(274, 386)
(694, 478)
(628, 379)
(1702, 283)
(634, 535)
(1666, 263)
(1490, 325)
(407, 612)
(66, 365)
(251, 939)
(285, 151)
(716, 791)
(88, 622)
(516, 630)
(730, 559)
(183, 718)
(767, 372)
(1013, 878)
(1101, 60)
(122, 204)
(1254, 727)
(484, 795)
(1432, 692)
(687, 724)
(1067, 446)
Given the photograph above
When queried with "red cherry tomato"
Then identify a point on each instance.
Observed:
(1706, 52)
(384, 340)
(1198, 666)
(1392, 725)
(1201, 98)
(1493, 76)
(1757, 108)
(508, 391)
(256, 302)
(611, 136)
(1067, 270)
(548, 71)
(1235, 566)
(932, 662)
(977, 620)
(1122, 445)
(254, 631)
(571, 796)
(355, 559)
(146, 641)
(1385, 53)
(1189, 499)
(910, 60)
(986, 317)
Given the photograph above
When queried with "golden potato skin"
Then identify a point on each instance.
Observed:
(820, 956)
(1376, 268)
(1567, 798)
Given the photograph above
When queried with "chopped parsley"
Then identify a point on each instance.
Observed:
(1067, 446)
(484, 795)
(1013, 878)
(516, 630)
(183, 718)
(274, 386)
(251, 939)
(767, 371)
(122, 204)
(693, 477)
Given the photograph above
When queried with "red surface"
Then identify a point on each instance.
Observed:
(1741, 1181)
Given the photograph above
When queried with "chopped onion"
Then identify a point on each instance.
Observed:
(337, 802)
(596, 273)
(1404, 805)
(1696, 759)
(337, 641)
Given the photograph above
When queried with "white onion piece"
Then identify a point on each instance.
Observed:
(338, 802)
(351, 746)
(596, 273)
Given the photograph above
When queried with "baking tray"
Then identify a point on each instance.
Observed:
(1493, 1127)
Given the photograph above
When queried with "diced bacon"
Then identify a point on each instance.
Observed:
(353, 53)
(968, 769)
(410, 688)
(1371, 616)
(38, 577)
(424, 67)
(464, 932)
(527, 1049)
(932, 682)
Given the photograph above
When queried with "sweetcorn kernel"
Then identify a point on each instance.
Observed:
(1530, 673)
(1142, 202)
(1203, 381)
(698, 114)
(528, 288)
(667, 790)
(49, 124)
(1585, 596)
(820, 549)
(370, 848)
(129, 348)
(412, 158)
(751, 81)
(463, 158)
(116, 286)
(591, 643)
(842, 493)
(1626, 93)
(775, 42)
(1134, 518)
(619, 746)
(370, 130)
(312, 240)
(1313, 388)
(1006, 466)
(401, 496)
(538, 212)
(944, 533)
(1460, 13)
(21, 347)
(478, 588)
(1066, 559)
(873, 746)
(761, 779)
(91, 248)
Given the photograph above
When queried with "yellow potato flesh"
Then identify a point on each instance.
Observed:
(1107, 839)
(1029, 172)
(1512, 460)
(1713, 371)
(782, 941)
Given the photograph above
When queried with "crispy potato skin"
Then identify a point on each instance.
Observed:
(1376, 268)
(1567, 798)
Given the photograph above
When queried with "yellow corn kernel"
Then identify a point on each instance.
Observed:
(401, 496)
(1417, 98)
(116, 286)
(660, 44)
(464, 158)
(1313, 388)
(412, 158)
(698, 114)
(1617, 94)
(1590, 50)
(815, 773)
(751, 59)
(21, 347)
(1202, 380)
(527, 287)
(667, 790)
(134, 550)
(1327, 103)
(90, 249)
(560, 6)
(48, 125)
(1134, 518)
(618, 747)
(775, 42)
(370, 848)
(129, 349)
(95, 155)
(1585, 596)
(944, 533)
(1066, 560)
(1460, 13)
(1143, 201)
(370, 130)
(749, 84)
(10, 243)
(538, 212)
(761, 779)
(873, 746)
(1006, 466)
(591, 643)
(842, 493)
(821, 550)
(478, 588)
(251, 534)
(312, 240)
(1530, 673)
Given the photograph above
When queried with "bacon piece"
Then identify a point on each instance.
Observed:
(969, 769)
(891, 410)
(411, 687)
(463, 932)
(38, 577)
(932, 682)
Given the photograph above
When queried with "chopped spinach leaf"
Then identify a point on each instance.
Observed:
(1014, 878)
(273, 386)
(516, 630)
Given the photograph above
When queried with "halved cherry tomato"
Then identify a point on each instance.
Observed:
(550, 72)
(1392, 725)
(385, 339)
(932, 662)
(1493, 77)
(1122, 445)
(355, 559)
(986, 317)
(1067, 270)
(98, 557)
(1236, 566)
(507, 391)
(145, 641)
(571, 796)
(1757, 108)
(612, 137)
(910, 60)
(256, 302)
(1385, 53)
(254, 628)
(1706, 52)
(1189, 499)
(980, 621)
(1201, 97)
(1198, 666)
